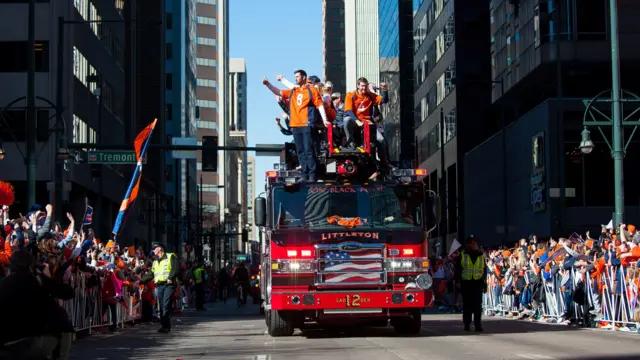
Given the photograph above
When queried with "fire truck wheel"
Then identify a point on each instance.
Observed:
(279, 323)
(410, 325)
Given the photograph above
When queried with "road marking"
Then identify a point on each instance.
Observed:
(535, 357)
(262, 357)
(248, 325)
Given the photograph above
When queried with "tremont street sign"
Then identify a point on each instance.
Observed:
(116, 157)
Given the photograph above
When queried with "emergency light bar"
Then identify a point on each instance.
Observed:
(409, 172)
(287, 176)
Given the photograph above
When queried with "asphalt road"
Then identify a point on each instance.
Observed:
(226, 332)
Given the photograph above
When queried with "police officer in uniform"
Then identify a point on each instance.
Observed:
(198, 276)
(164, 273)
(471, 278)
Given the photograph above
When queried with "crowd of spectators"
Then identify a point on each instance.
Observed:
(61, 279)
(578, 280)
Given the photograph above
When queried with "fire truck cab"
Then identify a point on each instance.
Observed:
(343, 251)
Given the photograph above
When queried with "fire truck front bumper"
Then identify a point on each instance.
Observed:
(350, 300)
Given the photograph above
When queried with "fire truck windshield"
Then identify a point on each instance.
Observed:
(396, 206)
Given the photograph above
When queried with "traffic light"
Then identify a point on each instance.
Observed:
(245, 236)
(210, 155)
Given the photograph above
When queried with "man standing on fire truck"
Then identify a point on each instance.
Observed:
(303, 120)
(471, 277)
(164, 272)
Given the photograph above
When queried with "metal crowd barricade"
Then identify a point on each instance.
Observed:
(87, 311)
(616, 307)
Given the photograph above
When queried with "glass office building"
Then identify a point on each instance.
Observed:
(396, 67)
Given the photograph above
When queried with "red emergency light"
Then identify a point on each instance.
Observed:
(347, 168)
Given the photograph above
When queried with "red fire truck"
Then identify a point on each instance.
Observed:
(346, 250)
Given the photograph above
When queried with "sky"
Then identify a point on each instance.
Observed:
(274, 37)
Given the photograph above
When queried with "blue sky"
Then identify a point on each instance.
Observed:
(275, 37)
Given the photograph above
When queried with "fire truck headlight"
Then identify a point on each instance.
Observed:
(297, 266)
(395, 264)
(424, 281)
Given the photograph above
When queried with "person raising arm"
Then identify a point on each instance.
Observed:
(302, 101)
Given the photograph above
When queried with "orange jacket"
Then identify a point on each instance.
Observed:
(6, 253)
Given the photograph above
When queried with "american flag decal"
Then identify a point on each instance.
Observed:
(342, 266)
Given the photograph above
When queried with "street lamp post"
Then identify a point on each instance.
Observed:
(617, 122)
(31, 160)
(618, 151)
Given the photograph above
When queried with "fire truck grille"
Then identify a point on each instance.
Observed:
(350, 263)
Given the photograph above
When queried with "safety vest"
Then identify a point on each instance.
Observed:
(162, 269)
(197, 274)
(471, 270)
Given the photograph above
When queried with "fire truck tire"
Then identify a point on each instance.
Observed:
(279, 323)
(410, 325)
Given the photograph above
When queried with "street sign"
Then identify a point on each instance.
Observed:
(117, 157)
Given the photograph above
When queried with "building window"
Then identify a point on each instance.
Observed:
(94, 17)
(168, 51)
(207, 62)
(210, 104)
(168, 81)
(206, 41)
(208, 187)
(83, 8)
(208, 2)
(82, 69)
(79, 130)
(450, 126)
(211, 125)
(169, 111)
(207, 83)
(206, 20)
(440, 90)
(14, 57)
(168, 20)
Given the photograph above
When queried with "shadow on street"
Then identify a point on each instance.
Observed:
(436, 328)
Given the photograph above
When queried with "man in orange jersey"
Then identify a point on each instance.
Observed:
(304, 100)
(359, 110)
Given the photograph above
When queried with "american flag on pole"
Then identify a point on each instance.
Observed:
(348, 266)
(88, 216)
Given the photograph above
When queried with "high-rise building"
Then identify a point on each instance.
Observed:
(333, 44)
(222, 105)
(180, 85)
(236, 203)
(145, 100)
(208, 95)
(451, 66)
(94, 97)
(362, 42)
(547, 59)
(251, 195)
(396, 69)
